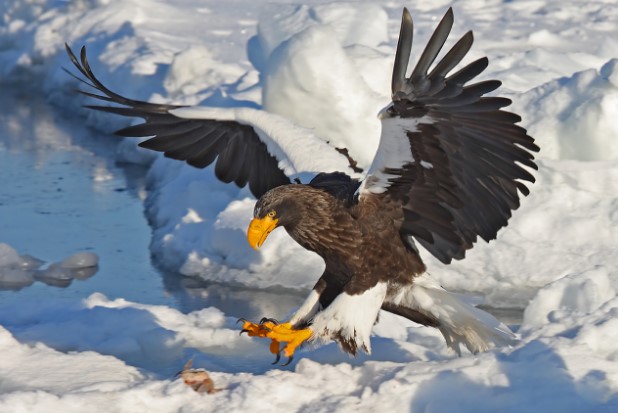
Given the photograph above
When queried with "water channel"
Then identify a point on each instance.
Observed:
(63, 193)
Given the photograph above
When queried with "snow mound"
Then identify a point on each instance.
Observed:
(575, 295)
(337, 102)
(278, 23)
(358, 33)
(40, 368)
(575, 117)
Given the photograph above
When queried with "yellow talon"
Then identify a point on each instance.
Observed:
(278, 333)
(257, 330)
(285, 333)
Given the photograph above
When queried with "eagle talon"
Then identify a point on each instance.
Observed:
(255, 330)
(277, 358)
(278, 333)
(290, 359)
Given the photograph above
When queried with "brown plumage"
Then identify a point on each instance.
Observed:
(449, 168)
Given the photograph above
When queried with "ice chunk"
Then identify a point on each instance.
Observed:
(81, 260)
(14, 278)
(16, 271)
(8, 256)
(30, 262)
(55, 271)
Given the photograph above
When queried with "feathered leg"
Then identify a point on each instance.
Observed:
(427, 303)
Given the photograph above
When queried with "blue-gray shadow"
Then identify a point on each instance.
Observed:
(536, 379)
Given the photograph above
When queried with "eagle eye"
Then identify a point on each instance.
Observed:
(272, 214)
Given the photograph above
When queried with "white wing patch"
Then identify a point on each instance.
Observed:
(298, 149)
(393, 152)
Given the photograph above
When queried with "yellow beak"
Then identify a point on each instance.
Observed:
(258, 230)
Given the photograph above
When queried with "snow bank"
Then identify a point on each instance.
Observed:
(574, 295)
(568, 365)
(316, 82)
(575, 117)
(37, 367)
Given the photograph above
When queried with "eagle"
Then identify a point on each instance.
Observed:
(449, 168)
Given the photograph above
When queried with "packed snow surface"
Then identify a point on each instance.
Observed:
(323, 67)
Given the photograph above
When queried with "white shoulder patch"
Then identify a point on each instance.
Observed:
(286, 141)
(393, 152)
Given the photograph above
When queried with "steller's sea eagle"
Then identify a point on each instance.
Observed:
(448, 169)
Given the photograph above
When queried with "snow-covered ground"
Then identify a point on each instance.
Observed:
(307, 61)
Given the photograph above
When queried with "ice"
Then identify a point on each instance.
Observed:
(18, 271)
(8, 256)
(80, 260)
(326, 67)
(13, 277)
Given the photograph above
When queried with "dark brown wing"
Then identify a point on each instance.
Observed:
(241, 156)
(449, 163)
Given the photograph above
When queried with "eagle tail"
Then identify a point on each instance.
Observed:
(459, 322)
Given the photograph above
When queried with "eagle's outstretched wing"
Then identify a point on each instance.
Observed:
(449, 164)
(239, 141)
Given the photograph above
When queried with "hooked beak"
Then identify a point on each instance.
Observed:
(258, 230)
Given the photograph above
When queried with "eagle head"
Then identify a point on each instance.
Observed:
(280, 206)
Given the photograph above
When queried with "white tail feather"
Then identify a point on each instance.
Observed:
(460, 322)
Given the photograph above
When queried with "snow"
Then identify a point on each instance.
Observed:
(572, 107)
(324, 67)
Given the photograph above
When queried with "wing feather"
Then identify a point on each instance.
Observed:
(240, 154)
(451, 162)
(437, 40)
